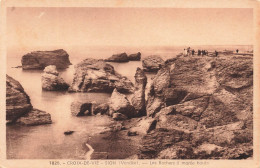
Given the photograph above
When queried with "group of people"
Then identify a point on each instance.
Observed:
(188, 52)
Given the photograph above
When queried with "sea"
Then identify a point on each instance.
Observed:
(49, 141)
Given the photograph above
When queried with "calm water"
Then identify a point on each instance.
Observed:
(48, 141)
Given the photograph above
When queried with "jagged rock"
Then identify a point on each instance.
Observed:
(209, 98)
(51, 81)
(102, 109)
(122, 57)
(152, 63)
(159, 139)
(41, 59)
(120, 104)
(81, 108)
(92, 75)
(134, 57)
(144, 126)
(35, 117)
(119, 116)
(176, 122)
(138, 99)
(17, 101)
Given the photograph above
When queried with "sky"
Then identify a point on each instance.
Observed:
(129, 26)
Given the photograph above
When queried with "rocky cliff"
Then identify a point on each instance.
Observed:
(203, 108)
(41, 59)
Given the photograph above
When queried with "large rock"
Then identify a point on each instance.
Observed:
(152, 63)
(51, 81)
(120, 104)
(41, 59)
(81, 108)
(17, 101)
(209, 98)
(92, 75)
(138, 99)
(134, 57)
(35, 117)
(19, 109)
(122, 57)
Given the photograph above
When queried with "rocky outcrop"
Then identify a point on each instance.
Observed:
(120, 104)
(17, 101)
(208, 98)
(19, 109)
(92, 75)
(134, 57)
(35, 117)
(51, 81)
(152, 63)
(122, 57)
(41, 59)
(138, 99)
(81, 108)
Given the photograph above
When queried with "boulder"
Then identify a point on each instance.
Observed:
(17, 101)
(19, 109)
(120, 104)
(101, 109)
(144, 126)
(92, 75)
(41, 59)
(122, 57)
(81, 108)
(138, 99)
(35, 117)
(51, 81)
(152, 63)
(134, 57)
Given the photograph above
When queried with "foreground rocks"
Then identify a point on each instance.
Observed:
(41, 59)
(51, 81)
(152, 63)
(92, 75)
(138, 99)
(203, 108)
(19, 109)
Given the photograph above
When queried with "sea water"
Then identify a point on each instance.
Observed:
(49, 141)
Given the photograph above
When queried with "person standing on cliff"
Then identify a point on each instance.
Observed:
(237, 50)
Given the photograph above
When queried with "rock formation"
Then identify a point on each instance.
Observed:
(134, 57)
(81, 108)
(120, 104)
(92, 75)
(207, 104)
(122, 57)
(19, 108)
(138, 99)
(152, 63)
(41, 59)
(51, 80)
(17, 101)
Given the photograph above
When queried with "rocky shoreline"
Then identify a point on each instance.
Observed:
(196, 108)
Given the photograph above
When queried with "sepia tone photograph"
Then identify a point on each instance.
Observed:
(129, 83)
